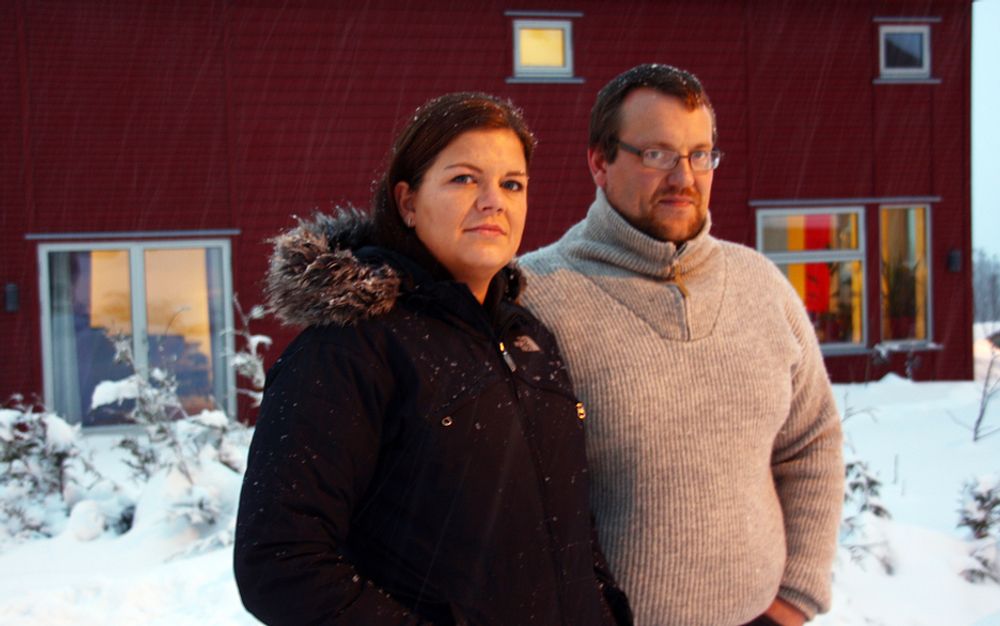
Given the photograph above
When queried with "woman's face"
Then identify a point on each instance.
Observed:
(469, 209)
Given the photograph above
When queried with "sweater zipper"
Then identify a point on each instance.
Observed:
(677, 277)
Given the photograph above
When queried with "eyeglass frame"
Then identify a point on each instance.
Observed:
(714, 153)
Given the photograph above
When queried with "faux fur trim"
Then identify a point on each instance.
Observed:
(315, 279)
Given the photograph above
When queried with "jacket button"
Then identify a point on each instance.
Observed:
(580, 411)
(447, 421)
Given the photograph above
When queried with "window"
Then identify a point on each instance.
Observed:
(905, 306)
(543, 47)
(904, 51)
(170, 300)
(821, 252)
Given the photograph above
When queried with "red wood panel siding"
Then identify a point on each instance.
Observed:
(127, 125)
(811, 108)
(20, 364)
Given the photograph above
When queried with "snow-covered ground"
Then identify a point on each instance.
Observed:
(915, 438)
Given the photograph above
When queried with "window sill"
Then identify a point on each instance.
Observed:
(843, 349)
(902, 80)
(568, 80)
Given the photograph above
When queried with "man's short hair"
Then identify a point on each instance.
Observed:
(605, 117)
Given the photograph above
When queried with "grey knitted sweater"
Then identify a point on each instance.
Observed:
(713, 439)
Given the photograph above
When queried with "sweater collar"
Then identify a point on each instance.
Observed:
(608, 238)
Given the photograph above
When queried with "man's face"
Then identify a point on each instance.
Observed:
(669, 205)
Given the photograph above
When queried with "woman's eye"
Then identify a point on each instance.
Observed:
(512, 185)
(462, 179)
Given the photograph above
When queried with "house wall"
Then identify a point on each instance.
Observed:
(200, 115)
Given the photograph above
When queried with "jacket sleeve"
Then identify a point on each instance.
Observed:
(313, 453)
(808, 471)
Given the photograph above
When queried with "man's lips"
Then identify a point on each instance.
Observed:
(675, 200)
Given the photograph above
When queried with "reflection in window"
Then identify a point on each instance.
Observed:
(821, 252)
(904, 273)
(175, 325)
(904, 51)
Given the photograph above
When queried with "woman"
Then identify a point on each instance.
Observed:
(419, 455)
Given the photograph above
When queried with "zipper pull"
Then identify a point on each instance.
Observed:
(507, 358)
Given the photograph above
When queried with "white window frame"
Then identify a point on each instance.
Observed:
(908, 344)
(544, 74)
(137, 288)
(904, 73)
(825, 256)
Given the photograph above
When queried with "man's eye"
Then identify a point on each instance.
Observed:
(655, 155)
(512, 185)
(700, 155)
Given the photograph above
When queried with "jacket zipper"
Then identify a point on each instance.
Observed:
(507, 358)
(536, 457)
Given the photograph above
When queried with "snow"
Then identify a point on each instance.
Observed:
(115, 391)
(169, 569)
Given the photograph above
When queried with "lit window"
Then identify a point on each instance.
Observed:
(821, 252)
(169, 301)
(905, 51)
(904, 273)
(543, 49)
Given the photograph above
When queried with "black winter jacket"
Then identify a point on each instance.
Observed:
(418, 458)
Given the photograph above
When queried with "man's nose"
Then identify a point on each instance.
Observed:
(682, 175)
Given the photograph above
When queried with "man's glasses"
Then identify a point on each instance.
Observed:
(658, 158)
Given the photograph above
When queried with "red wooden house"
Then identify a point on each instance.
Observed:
(148, 149)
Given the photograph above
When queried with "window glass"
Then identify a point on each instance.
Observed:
(904, 273)
(543, 49)
(821, 252)
(904, 51)
(176, 324)
(90, 304)
(832, 294)
(814, 231)
(181, 327)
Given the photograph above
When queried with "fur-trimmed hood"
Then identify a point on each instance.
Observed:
(316, 276)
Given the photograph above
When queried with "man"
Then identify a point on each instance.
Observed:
(713, 437)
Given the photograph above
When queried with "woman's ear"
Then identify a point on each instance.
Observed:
(404, 203)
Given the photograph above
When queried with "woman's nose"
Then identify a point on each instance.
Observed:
(490, 199)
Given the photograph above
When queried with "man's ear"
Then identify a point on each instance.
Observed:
(598, 166)
(404, 202)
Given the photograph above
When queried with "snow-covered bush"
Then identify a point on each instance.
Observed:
(185, 469)
(249, 361)
(45, 470)
(980, 514)
(861, 529)
(200, 456)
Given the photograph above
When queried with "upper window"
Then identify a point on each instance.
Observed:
(821, 252)
(904, 51)
(170, 301)
(543, 47)
(905, 306)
